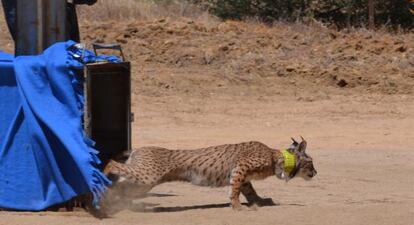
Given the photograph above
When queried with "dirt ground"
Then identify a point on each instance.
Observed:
(243, 86)
(362, 147)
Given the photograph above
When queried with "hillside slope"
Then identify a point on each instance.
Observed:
(285, 56)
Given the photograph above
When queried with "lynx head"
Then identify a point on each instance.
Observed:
(303, 162)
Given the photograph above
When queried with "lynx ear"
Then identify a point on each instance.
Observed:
(295, 143)
(293, 146)
(302, 145)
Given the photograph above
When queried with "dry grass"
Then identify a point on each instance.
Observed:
(121, 10)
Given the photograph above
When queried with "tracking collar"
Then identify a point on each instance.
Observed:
(290, 162)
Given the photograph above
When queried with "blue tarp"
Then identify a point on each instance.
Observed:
(45, 157)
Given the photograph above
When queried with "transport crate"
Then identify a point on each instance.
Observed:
(108, 114)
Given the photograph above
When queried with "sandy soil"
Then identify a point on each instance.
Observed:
(360, 134)
(362, 147)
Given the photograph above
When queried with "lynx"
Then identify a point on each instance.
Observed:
(230, 164)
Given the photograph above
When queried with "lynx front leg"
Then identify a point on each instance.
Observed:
(236, 180)
(248, 191)
(252, 197)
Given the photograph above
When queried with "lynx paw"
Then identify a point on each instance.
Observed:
(264, 202)
(236, 206)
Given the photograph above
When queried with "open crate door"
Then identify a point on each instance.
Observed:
(108, 108)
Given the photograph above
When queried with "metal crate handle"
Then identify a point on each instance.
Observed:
(118, 47)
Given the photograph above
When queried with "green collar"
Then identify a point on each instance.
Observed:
(290, 161)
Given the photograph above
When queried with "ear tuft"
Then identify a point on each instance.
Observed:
(302, 145)
(295, 143)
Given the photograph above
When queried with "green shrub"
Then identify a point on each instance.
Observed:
(340, 12)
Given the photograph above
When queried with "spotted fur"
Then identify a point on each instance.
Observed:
(231, 164)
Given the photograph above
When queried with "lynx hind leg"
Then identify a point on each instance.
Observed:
(128, 185)
(252, 197)
(128, 173)
(122, 196)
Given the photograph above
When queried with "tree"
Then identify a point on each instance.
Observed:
(371, 14)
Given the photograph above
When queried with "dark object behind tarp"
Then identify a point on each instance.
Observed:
(36, 24)
(108, 107)
(40, 23)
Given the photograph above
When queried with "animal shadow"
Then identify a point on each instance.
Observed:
(265, 203)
